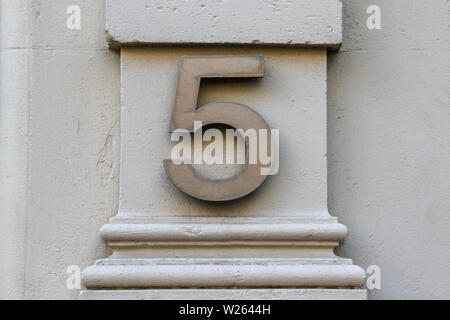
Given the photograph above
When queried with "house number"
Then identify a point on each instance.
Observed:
(236, 115)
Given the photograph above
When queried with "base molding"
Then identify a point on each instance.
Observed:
(217, 258)
(223, 273)
(225, 294)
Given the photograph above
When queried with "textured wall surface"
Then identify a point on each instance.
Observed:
(389, 153)
(14, 57)
(280, 97)
(60, 186)
(389, 147)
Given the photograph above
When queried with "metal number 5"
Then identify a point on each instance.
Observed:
(236, 115)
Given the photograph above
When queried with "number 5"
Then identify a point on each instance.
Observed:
(236, 115)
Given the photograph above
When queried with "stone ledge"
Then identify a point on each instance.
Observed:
(231, 229)
(223, 273)
(226, 294)
(232, 22)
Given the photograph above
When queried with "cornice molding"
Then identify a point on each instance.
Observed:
(233, 22)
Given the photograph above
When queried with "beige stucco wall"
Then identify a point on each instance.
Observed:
(388, 144)
(67, 131)
(388, 150)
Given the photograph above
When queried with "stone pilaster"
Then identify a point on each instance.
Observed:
(279, 239)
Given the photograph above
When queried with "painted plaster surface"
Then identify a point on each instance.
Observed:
(295, 105)
(388, 147)
(59, 120)
(14, 105)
